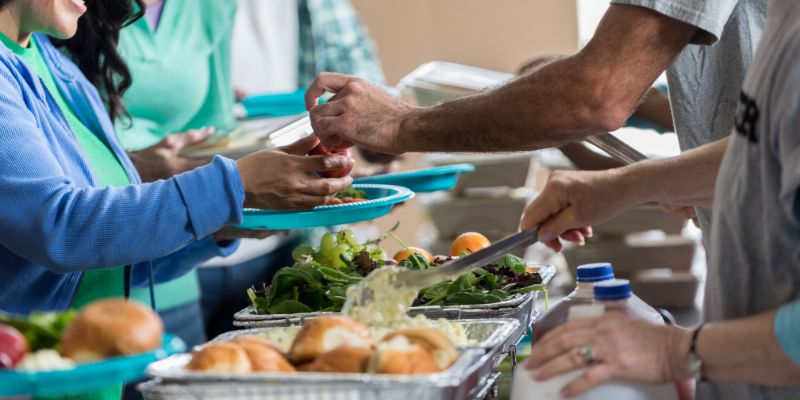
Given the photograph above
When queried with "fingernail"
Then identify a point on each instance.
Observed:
(545, 237)
(536, 374)
(564, 394)
(581, 243)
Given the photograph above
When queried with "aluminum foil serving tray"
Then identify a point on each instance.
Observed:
(464, 379)
(250, 318)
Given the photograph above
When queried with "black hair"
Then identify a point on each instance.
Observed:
(94, 47)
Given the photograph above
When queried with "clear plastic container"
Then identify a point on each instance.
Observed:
(588, 276)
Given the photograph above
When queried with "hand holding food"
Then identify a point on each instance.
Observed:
(320, 150)
(359, 113)
(294, 187)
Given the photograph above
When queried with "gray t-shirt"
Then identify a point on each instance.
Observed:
(755, 245)
(704, 80)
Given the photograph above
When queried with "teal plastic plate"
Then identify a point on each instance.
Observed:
(423, 180)
(87, 377)
(381, 198)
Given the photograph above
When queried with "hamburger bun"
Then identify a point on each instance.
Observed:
(221, 357)
(323, 334)
(304, 367)
(398, 356)
(263, 356)
(442, 349)
(342, 359)
(110, 328)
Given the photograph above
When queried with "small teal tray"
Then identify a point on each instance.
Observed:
(382, 197)
(87, 377)
(423, 180)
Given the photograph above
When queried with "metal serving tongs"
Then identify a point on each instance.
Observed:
(420, 279)
(616, 148)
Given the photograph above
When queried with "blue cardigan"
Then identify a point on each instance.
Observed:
(56, 222)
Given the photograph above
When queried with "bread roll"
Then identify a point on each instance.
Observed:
(442, 349)
(304, 367)
(109, 328)
(398, 356)
(342, 359)
(323, 334)
(221, 357)
(263, 356)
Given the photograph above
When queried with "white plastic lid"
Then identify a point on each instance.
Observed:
(586, 311)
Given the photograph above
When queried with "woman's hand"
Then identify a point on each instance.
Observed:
(624, 349)
(281, 178)
(571, 202)
(161, 161)
(232, 233)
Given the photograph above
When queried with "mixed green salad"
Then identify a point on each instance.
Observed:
(319, 279)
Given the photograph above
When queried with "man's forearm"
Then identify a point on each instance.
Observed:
(687, 179)
(744, 350)
(590, 92)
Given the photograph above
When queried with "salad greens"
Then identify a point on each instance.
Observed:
(350, 191)
(41, 330)
(309, 286)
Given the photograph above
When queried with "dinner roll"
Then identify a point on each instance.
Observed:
(263, 356)
(111, 327)
(323, 334)
(398, 356)
(443, 350)
(220, 357)
(342, 359)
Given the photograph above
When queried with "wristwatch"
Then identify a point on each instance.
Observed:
(695, 364)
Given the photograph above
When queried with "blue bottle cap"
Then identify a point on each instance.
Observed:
(595, 272)
(615, 289)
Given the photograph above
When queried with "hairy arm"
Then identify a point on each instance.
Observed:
(592, 91)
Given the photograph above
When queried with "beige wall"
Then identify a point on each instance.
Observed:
(494, 34)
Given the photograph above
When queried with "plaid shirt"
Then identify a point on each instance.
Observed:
(334, 39)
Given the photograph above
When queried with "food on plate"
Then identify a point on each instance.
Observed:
(13, 346)
(44, 360)
(323, 334)
(111, 327)
(263, 356)
(343, 359)
(320, 150)
(41, 330)
(305, 367)
(347, 196)
(469, 242)
(352, 192)
(281, 338)
(433, 340)
(398, 356)
(221, 357)
(404, 254)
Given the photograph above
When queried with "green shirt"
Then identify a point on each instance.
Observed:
(100, 283)
(181, 81)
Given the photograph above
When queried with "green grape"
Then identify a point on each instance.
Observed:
(327, 244)
(378, 254)
(340, 249)
(318, 257)
(326, 261)
(346, 236)
(357, 248)
(302, 251)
